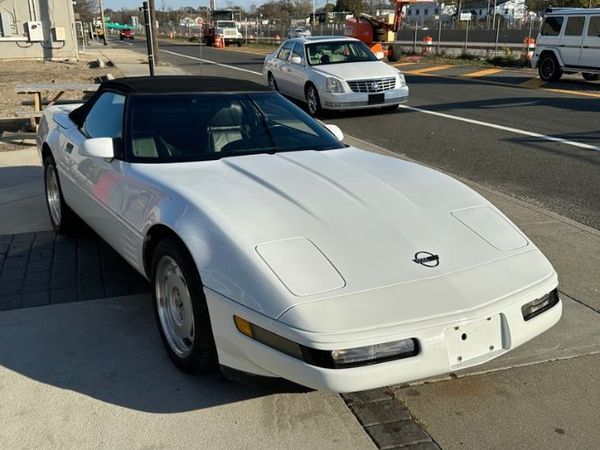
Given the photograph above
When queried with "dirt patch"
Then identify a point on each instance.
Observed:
(16, 72)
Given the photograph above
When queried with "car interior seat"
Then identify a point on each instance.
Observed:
(226, 126)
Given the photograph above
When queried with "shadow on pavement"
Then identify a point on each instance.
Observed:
(110, 350)
(11, 176)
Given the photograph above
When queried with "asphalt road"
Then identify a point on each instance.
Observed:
(559, 176)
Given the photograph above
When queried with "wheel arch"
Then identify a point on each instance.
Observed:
(309, 83)
(550, 52)
(45, 151)
(154, 235)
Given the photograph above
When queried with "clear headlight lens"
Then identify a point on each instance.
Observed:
(375, 353)
(334, 86)
(401, 80)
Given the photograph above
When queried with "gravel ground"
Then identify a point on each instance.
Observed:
(16, 72)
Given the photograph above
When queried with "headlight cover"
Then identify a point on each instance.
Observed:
(334, 86)
(330, 359)
(401, 80)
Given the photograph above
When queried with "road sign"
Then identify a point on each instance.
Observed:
(465, 16)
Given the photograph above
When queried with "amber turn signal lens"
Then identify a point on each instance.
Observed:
(243, 326)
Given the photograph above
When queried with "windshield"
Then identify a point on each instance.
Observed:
(194, 127)
(223, 24)
(338, 52)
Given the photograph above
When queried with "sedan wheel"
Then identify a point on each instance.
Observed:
(180, 308)
(312, 100)
(61, 215)
(272, 82)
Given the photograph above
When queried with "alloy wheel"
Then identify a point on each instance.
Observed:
(174, 306)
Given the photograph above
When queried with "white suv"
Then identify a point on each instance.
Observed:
(568, 42)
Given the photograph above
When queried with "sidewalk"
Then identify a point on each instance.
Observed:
(95, 375)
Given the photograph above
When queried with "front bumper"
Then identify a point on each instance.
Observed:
(355, 100)
(492, 331)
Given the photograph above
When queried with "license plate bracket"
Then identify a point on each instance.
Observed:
(376, 99)
(474, 339)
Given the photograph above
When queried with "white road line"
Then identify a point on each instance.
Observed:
(207, 61)
(503, 128)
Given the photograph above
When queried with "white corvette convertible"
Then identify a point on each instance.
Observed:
(274, 249)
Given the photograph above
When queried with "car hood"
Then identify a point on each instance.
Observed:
(357, 70)
(310, 225)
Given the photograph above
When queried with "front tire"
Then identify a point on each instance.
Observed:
(590, 76)
(272, 82)
(313, 103)
(549, 69)
(61, 216)
(180, 308)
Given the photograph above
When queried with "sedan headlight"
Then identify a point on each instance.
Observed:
(401, 80)
(330, 359)
(334, 86)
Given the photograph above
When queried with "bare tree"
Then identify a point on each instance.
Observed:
(87, 9)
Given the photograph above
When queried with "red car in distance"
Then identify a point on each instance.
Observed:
(126, 34)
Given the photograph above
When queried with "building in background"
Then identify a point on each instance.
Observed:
(510, 11)
(37, 29)
(426, 13)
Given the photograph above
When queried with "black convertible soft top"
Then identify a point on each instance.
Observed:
(167, 85)
(180, 84)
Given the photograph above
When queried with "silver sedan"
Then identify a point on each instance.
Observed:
(334, 73)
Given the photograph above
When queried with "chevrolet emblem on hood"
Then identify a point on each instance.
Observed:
(427, 259)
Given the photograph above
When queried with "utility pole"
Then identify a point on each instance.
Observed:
(152, 11)
(149, 37)
(101, 3)
(314, 12)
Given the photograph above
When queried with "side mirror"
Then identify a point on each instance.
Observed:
(335, 130)
(103, 147)
(296, 60)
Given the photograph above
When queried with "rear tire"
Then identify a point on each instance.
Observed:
(549, 69)
(313, 103)
(590, 76)
(61, 216)
(180, 308)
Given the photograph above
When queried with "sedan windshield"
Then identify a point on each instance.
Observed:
(193, 127)
(337, 52)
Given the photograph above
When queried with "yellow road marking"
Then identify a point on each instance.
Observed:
(566, 91)
(482, 73)
(533, 83)
(252, 52)
(427, 70)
